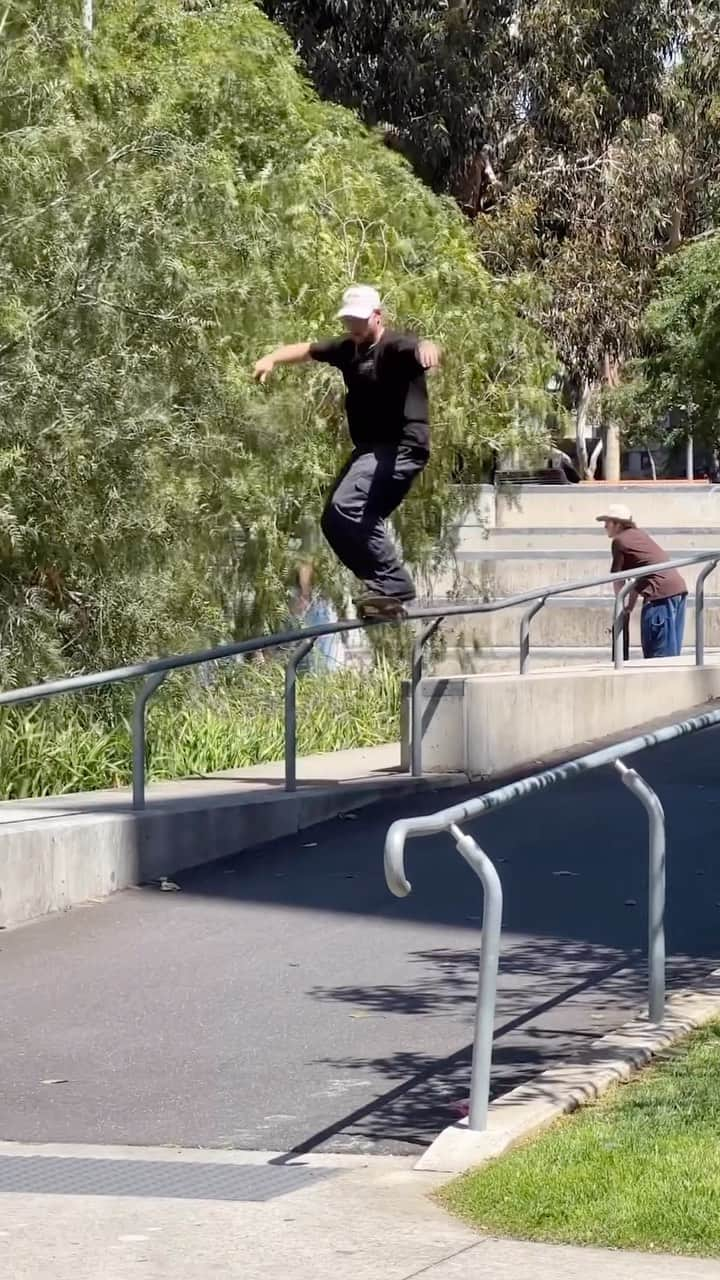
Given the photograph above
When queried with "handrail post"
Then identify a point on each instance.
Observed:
(143, 696)
(525, 632)
(618, 622)
(400, 886)
(487, 980)
(299, 652)
(700, 613)
(656, 903)
(416, 709)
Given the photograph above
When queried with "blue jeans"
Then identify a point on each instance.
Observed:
(662, 626)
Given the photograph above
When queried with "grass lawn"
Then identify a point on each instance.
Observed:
(640, 1169)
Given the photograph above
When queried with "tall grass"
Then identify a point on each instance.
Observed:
(66, 745)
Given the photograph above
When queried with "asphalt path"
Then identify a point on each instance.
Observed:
(282, 1000)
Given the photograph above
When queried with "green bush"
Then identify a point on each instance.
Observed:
(67, 745)
(174, 201)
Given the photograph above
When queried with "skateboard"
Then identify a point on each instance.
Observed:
(374, 607)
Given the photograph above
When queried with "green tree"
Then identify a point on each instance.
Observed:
(587, 195)
(679, 377)
(694, 118)
(670, 391)
(584, 137)
(175, 201)
(428, 73)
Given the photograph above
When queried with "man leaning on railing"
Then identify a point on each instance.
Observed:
(664, 592)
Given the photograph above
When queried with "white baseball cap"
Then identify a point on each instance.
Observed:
(359, 302)
(616, 511)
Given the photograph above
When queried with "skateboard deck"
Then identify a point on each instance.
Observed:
(380, 607)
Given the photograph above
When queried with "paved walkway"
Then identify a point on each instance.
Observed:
(282, 999)
(163, 1215)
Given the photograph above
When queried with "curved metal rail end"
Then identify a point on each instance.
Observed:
(397, 881)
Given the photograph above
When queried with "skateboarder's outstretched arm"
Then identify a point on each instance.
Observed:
(295, 353)
(427, 354)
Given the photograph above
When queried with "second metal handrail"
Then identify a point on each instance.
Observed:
(450, 820)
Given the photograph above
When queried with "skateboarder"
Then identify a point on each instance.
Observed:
(387, 412)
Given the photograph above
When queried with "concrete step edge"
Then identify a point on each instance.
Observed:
(490, 554)
(529, 531)
(555, 602)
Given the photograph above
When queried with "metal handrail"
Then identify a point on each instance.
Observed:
(415, 700)
(537, 600)
(437, 613)
(449, 820)
(525, 632)
(300, 651)
(700, 612)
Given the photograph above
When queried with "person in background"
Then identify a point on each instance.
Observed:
(309, 608)
(663, 593)
(562, 462)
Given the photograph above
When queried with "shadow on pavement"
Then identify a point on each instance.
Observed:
(430, 1091)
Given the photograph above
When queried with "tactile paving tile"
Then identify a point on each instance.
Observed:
(68, 1176)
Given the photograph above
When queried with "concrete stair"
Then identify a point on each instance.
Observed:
(566, 622)
(520, 539)
(494, 573)
(478, 537)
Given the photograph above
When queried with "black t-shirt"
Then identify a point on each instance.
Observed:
(387, 400)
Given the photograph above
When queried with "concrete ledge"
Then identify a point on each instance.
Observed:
(62, 851)
(485, 725)
(457, 660)
(532, 1108)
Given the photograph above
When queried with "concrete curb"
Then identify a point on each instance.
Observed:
(532, 1108)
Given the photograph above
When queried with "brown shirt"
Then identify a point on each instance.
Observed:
(631, 550)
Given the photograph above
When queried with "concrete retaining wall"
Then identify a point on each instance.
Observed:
(487, 725)
(52, 863)
(656, 505)
(665, 504)
(535, 507)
